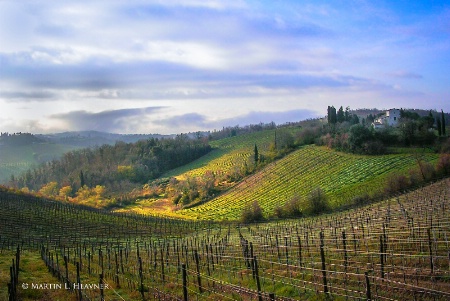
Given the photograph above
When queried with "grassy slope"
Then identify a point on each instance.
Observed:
(227, 152)
(342, 176)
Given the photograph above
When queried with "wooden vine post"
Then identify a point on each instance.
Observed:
(258, 284)
(322, 257)
(185, 292)
(368, 293)
(199, 280)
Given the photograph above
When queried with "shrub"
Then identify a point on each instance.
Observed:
(374, 147)
(308, 135)
(443, 165)
(252, 213)
(361, 200)
(290, 209)
(428, 171)
(318, 202)
(415, 177)
(445, 149)
(396, 183)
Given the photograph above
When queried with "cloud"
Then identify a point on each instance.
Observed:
(26, 96)
(252, 55)
(406, 74)
(256, 117)
(196, 121)
(191, 120)
(107, 121)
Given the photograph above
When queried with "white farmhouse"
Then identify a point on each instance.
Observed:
(390, 118)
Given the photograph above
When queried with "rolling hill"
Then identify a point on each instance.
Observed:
(342, 176)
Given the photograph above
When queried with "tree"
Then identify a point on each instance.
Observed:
(347, 114)
(285, 140)
(256, 155)
(82, 183)
(340, 115)
(318, 201)
(206, 185)
(358, 135)
(443, 122)
(332, 119)
(252, 213)
(443, 165)
(328, 114)
(408, 129)
(439, 126)
(65, 192)
(292, 208)
(355, 119)
(50, 189)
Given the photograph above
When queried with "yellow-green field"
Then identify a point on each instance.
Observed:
(230, 151)
(342, 177)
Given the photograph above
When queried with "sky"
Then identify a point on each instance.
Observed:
(177, 66)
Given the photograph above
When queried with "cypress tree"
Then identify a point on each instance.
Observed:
(443, 122)
(275, 140)
(340, 115)
(333, 117)
(256, 154)
(439, 127)
(81, 179)
(328, 114)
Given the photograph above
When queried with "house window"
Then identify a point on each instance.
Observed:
(395, 118)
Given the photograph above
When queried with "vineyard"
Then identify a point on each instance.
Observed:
(398, 249)
(229, 152)
(342, 177)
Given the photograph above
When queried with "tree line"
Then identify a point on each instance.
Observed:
(119, 166)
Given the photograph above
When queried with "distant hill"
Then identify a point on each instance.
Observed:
(22, 151)
(83, 139)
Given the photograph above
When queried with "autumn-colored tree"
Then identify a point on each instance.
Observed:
(65, 192)
(50, 189)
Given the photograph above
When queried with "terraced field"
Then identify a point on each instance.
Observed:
(342, 177)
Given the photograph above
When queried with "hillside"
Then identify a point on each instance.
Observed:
(16, 159)
(117, 168)
(233, 151)
(22, 151)
(396, 250)
(342, 177)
